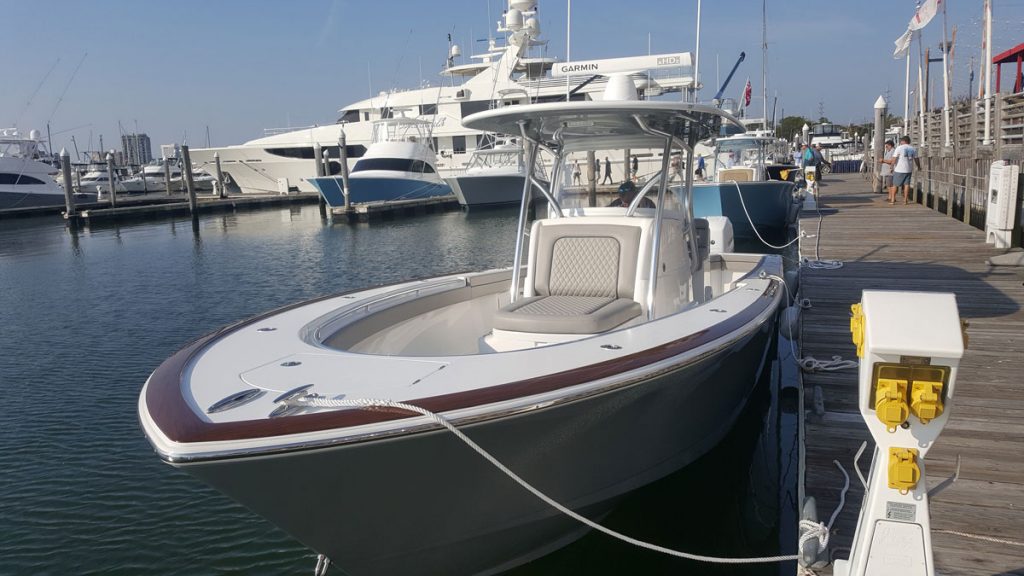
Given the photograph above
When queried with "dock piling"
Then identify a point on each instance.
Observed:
(110, 178)
(879, 138)
(167, 175)
(219, 175)
(69, 192)
(343, 152)
(186, 172)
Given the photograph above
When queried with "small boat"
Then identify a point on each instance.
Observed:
(96, 181)
(398, 165)
(25, 180)
(750, 179)
(152, 179)
(616, 350)
(494, 176)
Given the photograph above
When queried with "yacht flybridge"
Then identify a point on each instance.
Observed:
(615, 351)
(510, 72)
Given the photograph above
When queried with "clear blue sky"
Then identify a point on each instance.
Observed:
(237, 66)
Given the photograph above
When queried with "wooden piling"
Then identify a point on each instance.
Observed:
(110, 177)
(69, 192)
(591, 179)
(343, 151)
(221, 193)
(186, 172)
(167, 176)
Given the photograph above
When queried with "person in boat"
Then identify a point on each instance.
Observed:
(627, 192)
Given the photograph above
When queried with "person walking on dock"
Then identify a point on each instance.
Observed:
(576, 172)
(903, 169)
(607, 172)
(636, 167)
(886, 171)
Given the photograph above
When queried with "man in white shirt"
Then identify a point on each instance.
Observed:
(903, 168)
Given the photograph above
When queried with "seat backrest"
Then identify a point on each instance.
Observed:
(584, 260)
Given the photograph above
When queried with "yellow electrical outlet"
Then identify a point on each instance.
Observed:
(891, 402)
(926, 400)
(857, 328)
(904, 472)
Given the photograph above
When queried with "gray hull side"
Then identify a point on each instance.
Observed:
(427, 504)
(488, 191)
(23, 200)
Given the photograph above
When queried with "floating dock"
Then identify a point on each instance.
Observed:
(372, 211)
(978, 523)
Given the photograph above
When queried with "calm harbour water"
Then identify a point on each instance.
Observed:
(86, 316)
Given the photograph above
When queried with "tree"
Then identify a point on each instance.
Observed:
(791, 125)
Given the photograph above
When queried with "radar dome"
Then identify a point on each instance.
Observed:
(513, 19)
(521, 5)
(33, 135)
(533, 25)
(455, 51)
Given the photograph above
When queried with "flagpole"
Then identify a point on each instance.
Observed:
(988, 73)
(764, 58)
(696, 61)
(920, 88)
(568, 41)
(906, 96)
(945, 80)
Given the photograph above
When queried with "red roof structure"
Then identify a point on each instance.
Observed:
(1015, 54)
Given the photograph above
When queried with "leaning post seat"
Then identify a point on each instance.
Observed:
(580, 280)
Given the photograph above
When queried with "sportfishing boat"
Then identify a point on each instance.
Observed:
(750, 180)
(615, 351)
(399, 165)
(26, 181)
(96, 181)
(514, 62)
(494, 176)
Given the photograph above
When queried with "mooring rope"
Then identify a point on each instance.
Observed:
(314, 400)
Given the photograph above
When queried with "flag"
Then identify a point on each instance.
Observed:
(903, 44)
(924, 14)
(746, 94)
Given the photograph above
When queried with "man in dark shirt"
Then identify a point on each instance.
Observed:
(607, 172)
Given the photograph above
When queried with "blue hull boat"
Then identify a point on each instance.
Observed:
(770, 204)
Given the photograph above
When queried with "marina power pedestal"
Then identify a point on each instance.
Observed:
(1001, 207)
(909, 344)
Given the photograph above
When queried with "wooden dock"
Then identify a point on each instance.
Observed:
(373, 211)
(204, 205)
(915, 248)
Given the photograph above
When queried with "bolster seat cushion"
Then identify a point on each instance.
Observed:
(566, 314)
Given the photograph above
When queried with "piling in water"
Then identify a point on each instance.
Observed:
(69, 193)
(110, 178)
(221, 193)
(187, 174)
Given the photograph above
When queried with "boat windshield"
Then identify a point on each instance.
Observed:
(569, 195)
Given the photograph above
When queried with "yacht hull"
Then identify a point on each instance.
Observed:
(488, 191)
(425, 503)
(377, 189)
(770, 205)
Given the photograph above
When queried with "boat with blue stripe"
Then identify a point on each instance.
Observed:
(399, 165)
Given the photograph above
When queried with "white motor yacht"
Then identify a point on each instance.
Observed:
(26, 181)
(153, 179)
(615, 351)
(512, 64)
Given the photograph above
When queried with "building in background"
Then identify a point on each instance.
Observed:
(136, 148)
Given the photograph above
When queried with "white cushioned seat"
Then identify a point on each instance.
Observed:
(583, 280)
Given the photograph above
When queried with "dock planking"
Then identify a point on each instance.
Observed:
(898, 247)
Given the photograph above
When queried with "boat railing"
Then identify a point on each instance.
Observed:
(276, 131)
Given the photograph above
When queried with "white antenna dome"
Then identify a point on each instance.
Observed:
(533, 27)
(521, 5)
(513, 19)
(33, 135)
(455, 51)
(620, 87)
